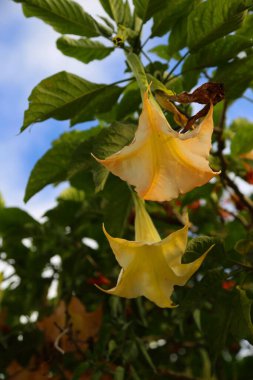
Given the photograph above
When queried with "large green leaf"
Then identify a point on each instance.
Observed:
(203, 292)
(65, 16)
(65, 95)
(230, 314)
(178, 36)
(13, 220)
(145, 9)
(161, 51)
(117, 10)
(213, 19)
(246, 29)
(242, 141)
(53, 166)
(164, 20)
(100, 104)
(129, 103)
(236, 76)
(108, 141)
(217, 53)
(84, 49)
(241, 323)
(119, 202)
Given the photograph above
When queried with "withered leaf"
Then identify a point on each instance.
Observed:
(207, 93)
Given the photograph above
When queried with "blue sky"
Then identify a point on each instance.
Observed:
(28, 55)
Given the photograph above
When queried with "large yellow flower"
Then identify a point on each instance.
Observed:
(151, 266)
(160, 162)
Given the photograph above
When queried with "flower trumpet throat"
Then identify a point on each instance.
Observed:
(151, 267)
(160, 162)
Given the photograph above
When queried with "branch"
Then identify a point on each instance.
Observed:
(144, 43)
(176, 66)
(247, 98)
(225, 179)
(57, 341)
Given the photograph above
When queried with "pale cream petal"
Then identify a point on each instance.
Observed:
(178, 169)
(147, 275)
(124, 250)
(161, 163)
(185, 271)
(152, 270)
(145, 230)
(174, 246)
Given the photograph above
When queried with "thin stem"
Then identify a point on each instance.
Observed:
(247, 98)
(144, 43)
(57, 341)
(122, 81)
(147, 57)
(176, 66)
(206, 75)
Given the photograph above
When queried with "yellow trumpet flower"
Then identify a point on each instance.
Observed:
(151, 266)
(160, 162)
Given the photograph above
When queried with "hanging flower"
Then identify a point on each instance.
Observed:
(160, 162)
(151, 266)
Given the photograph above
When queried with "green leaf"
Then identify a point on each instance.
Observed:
(84, 49)
(198, 247)
(129, 103)
(213, 19)
(72, 194)
(241, 324)
(53, 166)
(65, 16)
(246, 29)
(178, 36)
(164, 20)
(217, 53)
(217, 319)
(115, 9)
(138, 71)
(190, 79)
(161, 51)
(2, 203)
(110, 140)
(119, 373)
(80, 370)
(145, 354)
(145, 9)
(198, 193)
(158, 85)
(14, 220)
(62, 96)
(231, 313)
(202, 292)
(119, 204)
(236, 76)
(103, 102)
(242, 141)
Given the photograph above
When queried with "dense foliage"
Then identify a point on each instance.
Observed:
(83, 333)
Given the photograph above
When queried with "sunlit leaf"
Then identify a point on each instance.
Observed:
(213, 19)
(53, 166)
(65, 16)
(145, 9)
(64, 96)
(85, 50)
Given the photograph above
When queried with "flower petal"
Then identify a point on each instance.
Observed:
(161, 163)
(152, 270)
